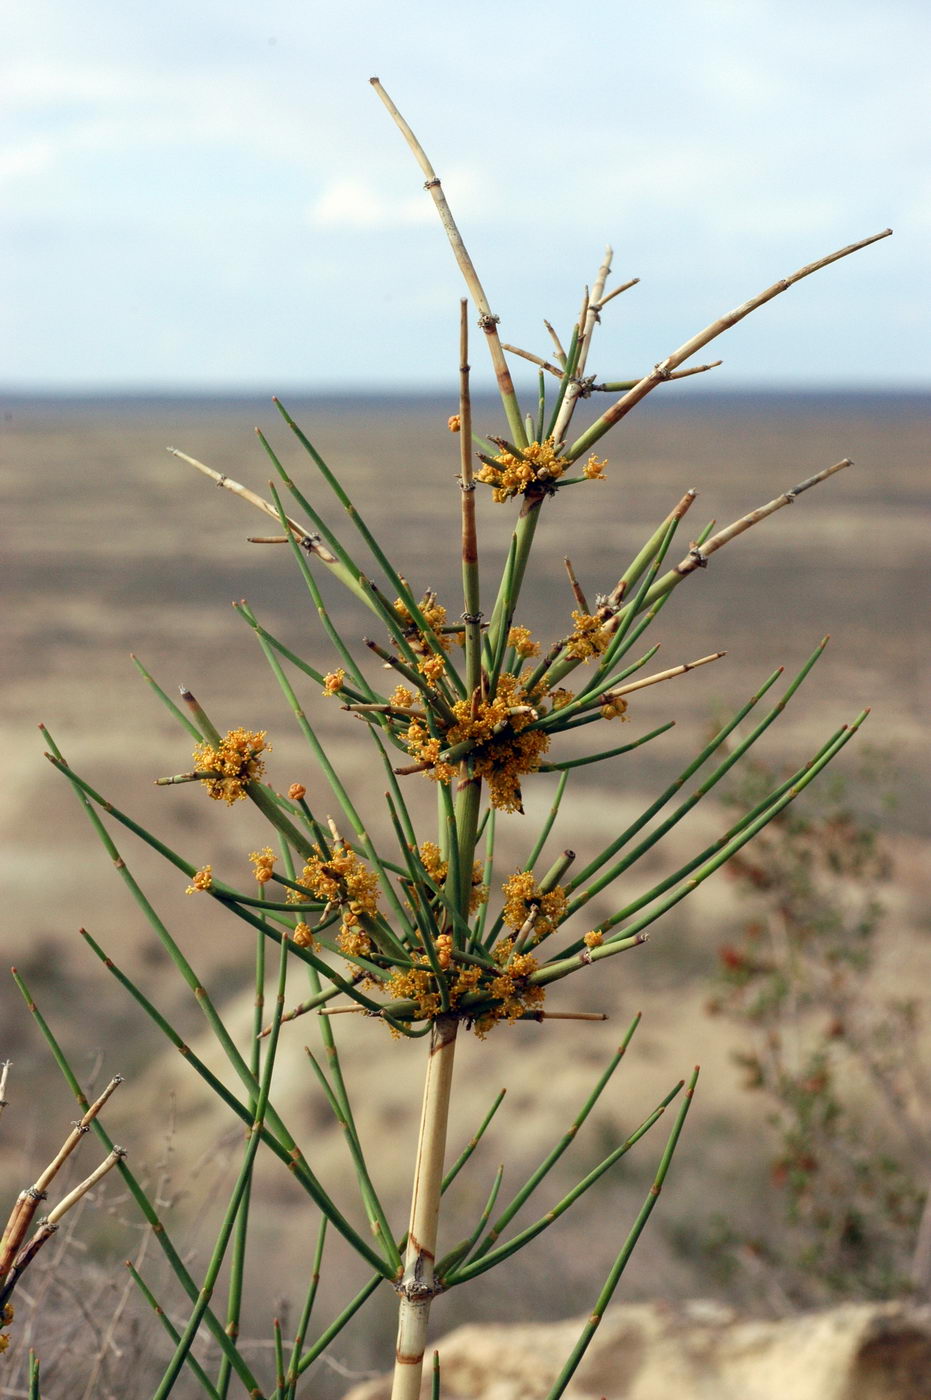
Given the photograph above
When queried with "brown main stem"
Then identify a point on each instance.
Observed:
(418, 1288)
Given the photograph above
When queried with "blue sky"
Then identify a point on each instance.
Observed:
(209, 195)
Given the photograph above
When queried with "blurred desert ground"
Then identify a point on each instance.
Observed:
(114, 546)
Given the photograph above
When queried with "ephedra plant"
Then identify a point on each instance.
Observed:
(424, 936)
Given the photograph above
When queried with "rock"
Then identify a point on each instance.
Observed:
(697, 1351)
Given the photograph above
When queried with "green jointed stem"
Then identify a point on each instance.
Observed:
(550, 1160)
(343, 1108)
(468, 806)
(339, 646)
(322, 758)
(293, 657)
(197, 1370)
(488, 870)
(648, 552)
(276, 1137)
(704, 547)
(220, 1031)
(240, 1233)
(548, 823)
(654, 837)
(365, 590)
(450, 842)
(339, 1104)
(365, 1293)
(419, 886)
(715, 777)
(471, 593)
(513, 575)
(620, 1263)
(690, 865)
(582, 875)
(397, 582)
(216, 1085)
(496, 638)
(337, 558)
(621, 624)
(304, 954)
(461, 1252)
(169, 704)
(279, 1355)
(564, 717)
(630, 935)
(541, 407)
(291, 1378)
(605, 753)
(236, 1202)
(492, 1257)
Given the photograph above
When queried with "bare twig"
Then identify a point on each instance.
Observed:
(487, 319)
(576, 587)
(661, 371)
(588, 320)
(659, 676)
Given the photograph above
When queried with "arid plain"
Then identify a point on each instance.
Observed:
(113, 546)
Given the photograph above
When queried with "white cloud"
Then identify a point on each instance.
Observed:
(31, 158)
(353, 203)
(350, 202)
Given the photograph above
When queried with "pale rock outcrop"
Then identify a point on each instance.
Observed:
(696, 1351)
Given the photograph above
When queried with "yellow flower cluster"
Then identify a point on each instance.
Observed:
(521, 639)
(594, 938)
(6, 1317)
(401, 698)
(344, 880)
(437, 868)
(416, 984)
(432, 666)
(522, 897)
(296, 791)
(615, 708)
(433, 614)
(303, 937)
(535, 470)
(233, 764)
(264, 864)
(333, 682)
(588, 639)
(201, 880)
(504, 748)
(506, 988)
(454, 423)
(510, 989)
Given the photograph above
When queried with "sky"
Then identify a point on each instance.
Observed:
(208, 195)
